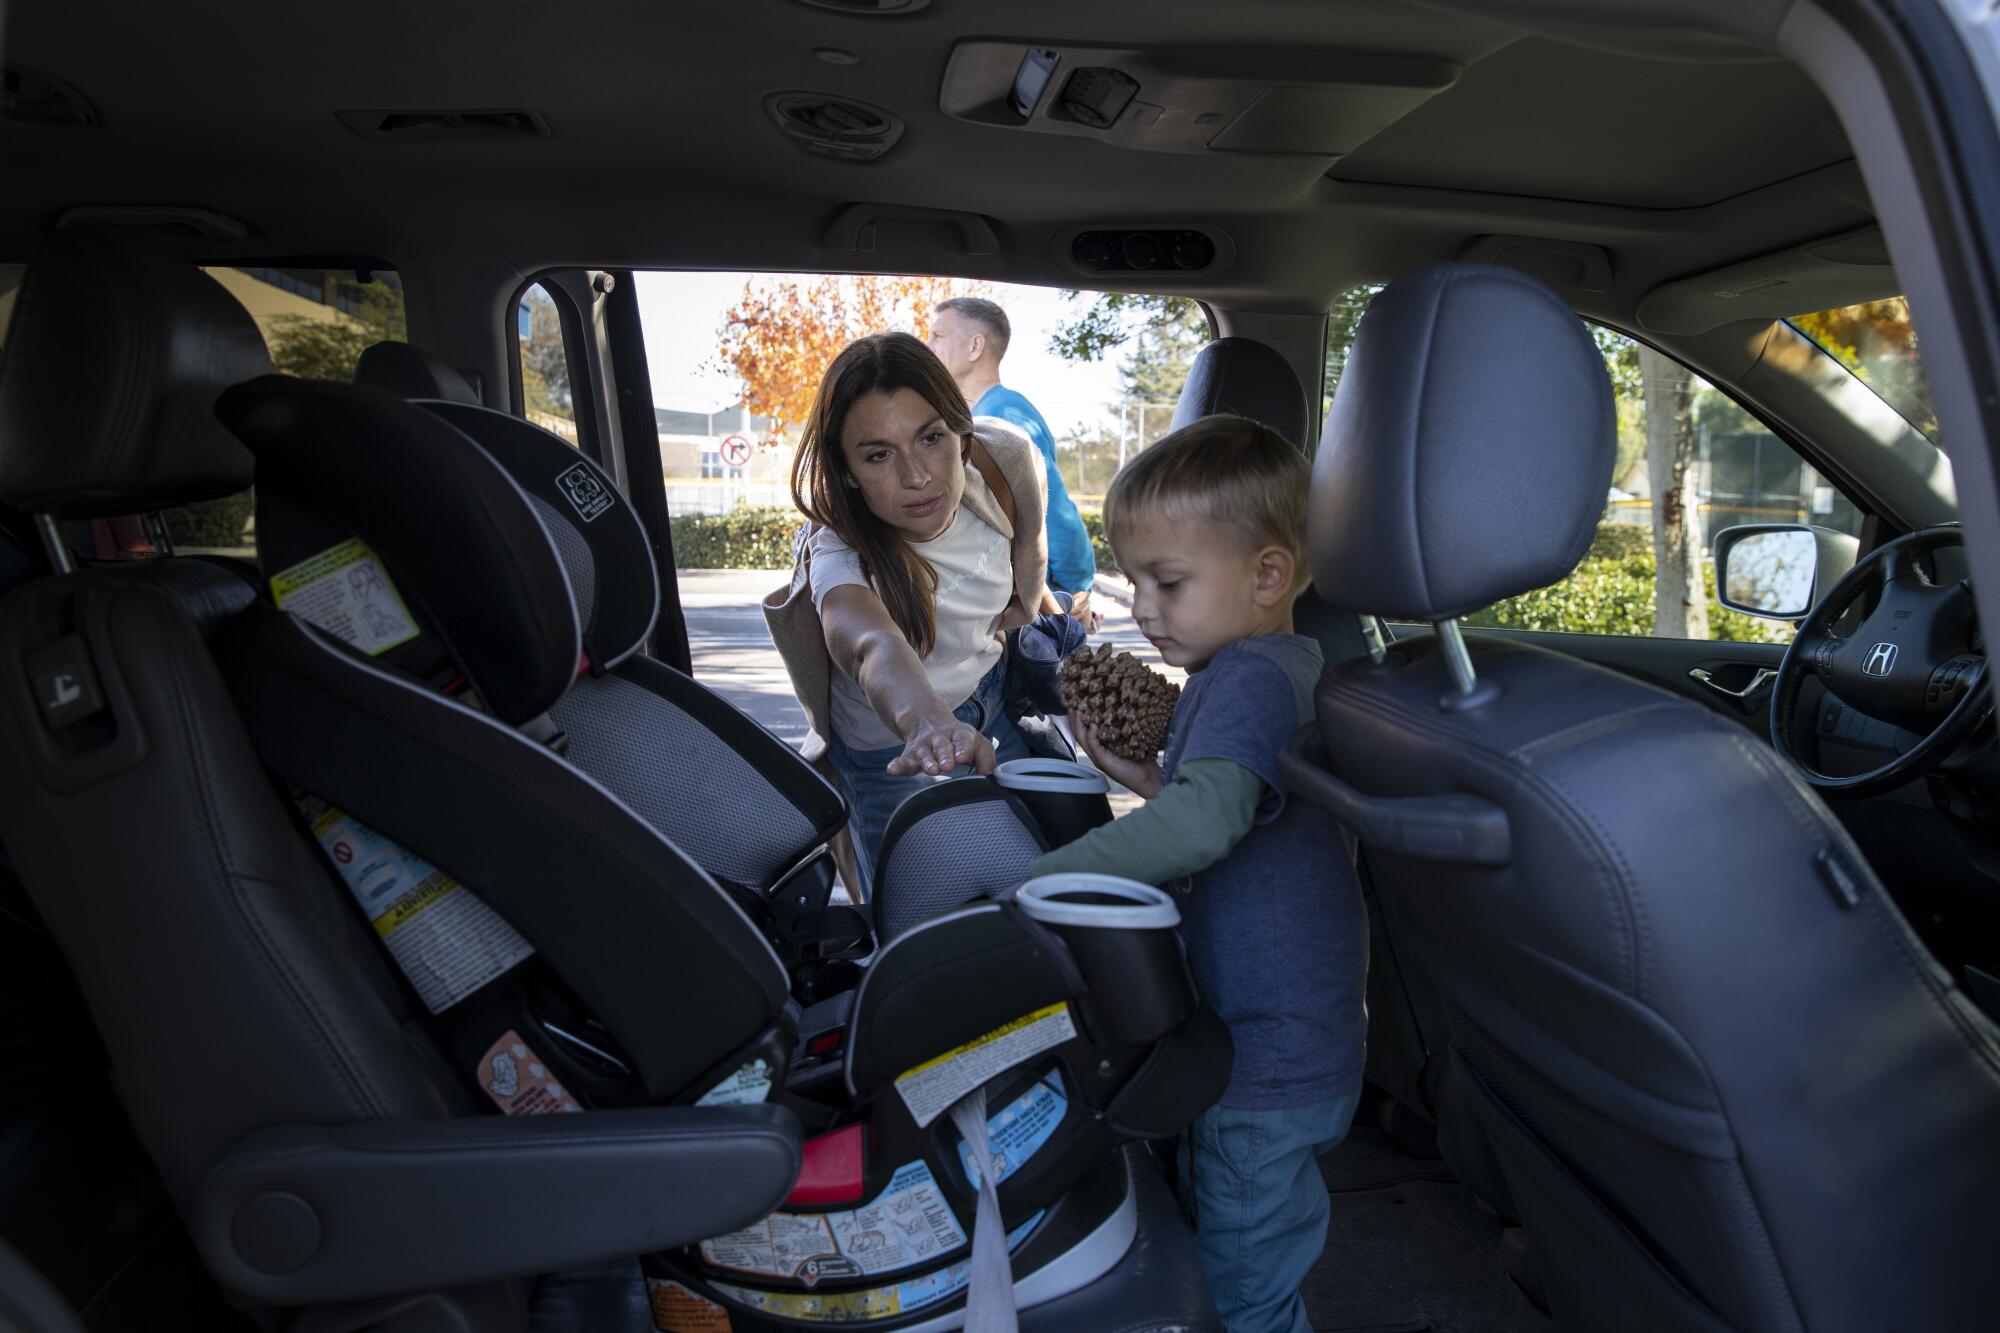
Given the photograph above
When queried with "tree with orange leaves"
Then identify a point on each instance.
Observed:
(785, 331)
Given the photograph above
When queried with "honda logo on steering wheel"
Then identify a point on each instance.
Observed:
(1881, 660)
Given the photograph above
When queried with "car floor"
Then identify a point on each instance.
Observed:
(1409, 1249)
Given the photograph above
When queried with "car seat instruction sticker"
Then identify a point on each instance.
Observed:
(679, 1309)
(854, 1307)
(751, 1083)
(905, 1224)
(345, 591)
(930, 1089)
(445, 939)
(518, 1082)
(1018, 1132)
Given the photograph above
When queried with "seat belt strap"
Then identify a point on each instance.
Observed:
(989, 1296)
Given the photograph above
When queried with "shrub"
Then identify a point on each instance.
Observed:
(1618, 541)
(747, 537)
(1611, 592)
(213, 522)
(1093, 523)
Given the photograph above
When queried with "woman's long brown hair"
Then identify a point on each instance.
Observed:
(878, 363)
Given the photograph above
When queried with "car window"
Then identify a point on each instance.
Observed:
(1690, 463)
(316, 323)
(736, 358)
(542, 343)
(1877, 341)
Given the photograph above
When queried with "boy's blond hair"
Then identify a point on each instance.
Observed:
(1232, 472)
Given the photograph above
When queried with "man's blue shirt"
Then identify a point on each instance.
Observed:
(1072, 564)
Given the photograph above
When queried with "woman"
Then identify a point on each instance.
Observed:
(926, 546)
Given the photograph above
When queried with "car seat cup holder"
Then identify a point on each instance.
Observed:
(1123, 936)
(1066, 799)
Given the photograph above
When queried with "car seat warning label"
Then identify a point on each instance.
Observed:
(750, 1083)
(930, 1089)
(518, 1083)
(445, 939)
(679, 1309)
(905, 1224)
(1018, 1132)
(872, 1303)
(345, 591)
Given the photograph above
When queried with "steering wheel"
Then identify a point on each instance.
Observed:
(1917, 662)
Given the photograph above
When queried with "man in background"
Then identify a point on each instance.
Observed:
(969, 334)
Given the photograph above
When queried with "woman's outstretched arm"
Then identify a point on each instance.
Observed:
(864, 642)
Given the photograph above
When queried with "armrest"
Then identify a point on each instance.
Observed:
(301, 1214)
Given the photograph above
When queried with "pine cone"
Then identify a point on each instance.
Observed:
(1117, 696)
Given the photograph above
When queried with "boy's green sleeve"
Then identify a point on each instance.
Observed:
(1203, 813)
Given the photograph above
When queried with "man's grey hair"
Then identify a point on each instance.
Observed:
(988, 315)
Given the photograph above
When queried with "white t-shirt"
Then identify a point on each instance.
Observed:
(975, 581)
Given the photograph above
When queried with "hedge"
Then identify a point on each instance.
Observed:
(747, 537)
(1093, 523)
(1611, 592)
(212, 522)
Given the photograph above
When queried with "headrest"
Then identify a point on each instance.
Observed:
(465, 561)
(597, 531)
(107, 390)
(1245, 378)
(411, 372)
(1468, 454)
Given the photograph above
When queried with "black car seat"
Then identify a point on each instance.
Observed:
(445, 740)
(954, 842)
(730, 794)
(1408, 1037)
(1727, 1086)
(326, 1155)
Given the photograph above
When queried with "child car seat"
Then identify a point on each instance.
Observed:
(445, 739)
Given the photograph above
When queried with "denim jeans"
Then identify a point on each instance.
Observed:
(1261, 1206)
(873, 793)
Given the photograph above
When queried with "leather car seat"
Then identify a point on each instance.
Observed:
(1726, 1085)
(324, 1154)
(1408, 1037)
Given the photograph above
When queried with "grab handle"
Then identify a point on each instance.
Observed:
(853, 228)
(1460, 829)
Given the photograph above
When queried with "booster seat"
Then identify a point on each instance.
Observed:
(463, 740)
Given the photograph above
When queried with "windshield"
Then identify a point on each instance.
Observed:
(1877, 342)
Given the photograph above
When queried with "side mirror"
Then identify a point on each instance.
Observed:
(1779, 570)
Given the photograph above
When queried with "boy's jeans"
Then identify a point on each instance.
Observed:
(1261, 1206)
(873, 793)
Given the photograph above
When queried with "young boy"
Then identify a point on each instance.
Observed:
(1210, 525)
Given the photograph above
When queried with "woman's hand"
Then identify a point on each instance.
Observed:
(1142, 778)
(937, 746)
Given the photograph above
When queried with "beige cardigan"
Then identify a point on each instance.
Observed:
(794, 620)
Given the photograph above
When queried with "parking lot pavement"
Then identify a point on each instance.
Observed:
(733, 652)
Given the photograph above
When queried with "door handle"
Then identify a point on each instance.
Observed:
(1761, 677)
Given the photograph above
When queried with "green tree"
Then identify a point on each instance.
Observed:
(544, 361)
(1343, 321)
(316, 349)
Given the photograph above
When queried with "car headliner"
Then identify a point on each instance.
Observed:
(659, 151)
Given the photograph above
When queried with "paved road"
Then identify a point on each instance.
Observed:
(733, 652)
